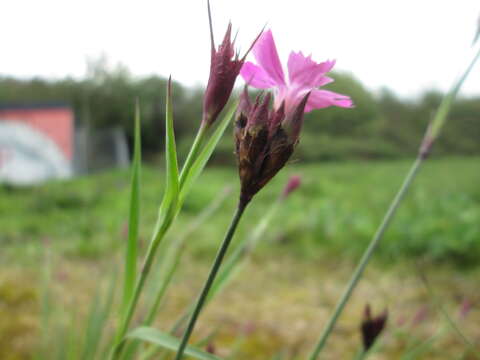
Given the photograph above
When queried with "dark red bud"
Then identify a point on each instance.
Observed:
(294, 120)
(224, 69)
(225, 66)
(372, 327)
(277, 118)
(262, 145)
(261, 112)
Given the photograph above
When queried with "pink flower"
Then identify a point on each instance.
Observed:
(293, 183)
(265, 137)
(304, 76)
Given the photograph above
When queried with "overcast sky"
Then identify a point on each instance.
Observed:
(407, 45)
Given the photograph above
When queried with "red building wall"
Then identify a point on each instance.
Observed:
(55, 122)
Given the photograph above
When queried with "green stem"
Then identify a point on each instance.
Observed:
(192, 155)
(366, 257)
(174, 254)
(227, 268)
(150, 256)
(211, 277)
(231, 262)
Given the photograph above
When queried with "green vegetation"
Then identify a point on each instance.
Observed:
(335, 211)
(381, 125)
(330, 218)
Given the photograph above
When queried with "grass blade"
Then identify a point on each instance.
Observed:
(92, 324)
(134, 217)
(172, 258)
(97, 320)
(168, 208)
(169, 342)
(173, 255)
(167, 212)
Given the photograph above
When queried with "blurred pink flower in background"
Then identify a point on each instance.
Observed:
(304, 76)
(420, 316)
(465, 308)
(293, 183)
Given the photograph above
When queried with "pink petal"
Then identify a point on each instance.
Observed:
(325, 80)
(266, 54)
(255, 76)
(306, 73)
(320, 99)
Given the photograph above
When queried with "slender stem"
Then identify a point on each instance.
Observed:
(160, 232)
(192, 155)
(149, 257)
(174, 254)
(226, 271)
(211, 277)
(366, 257)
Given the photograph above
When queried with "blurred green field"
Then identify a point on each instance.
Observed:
(301, 265)
(336, 211)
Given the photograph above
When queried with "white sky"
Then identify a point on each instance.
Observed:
(406, 45)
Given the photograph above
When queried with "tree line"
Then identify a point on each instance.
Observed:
(380, 126)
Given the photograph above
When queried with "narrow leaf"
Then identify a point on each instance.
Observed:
(98, 318)
(168, 208)
(169, 342)
(206, 153)
(172, 256)
(90, 336)
(134, 216)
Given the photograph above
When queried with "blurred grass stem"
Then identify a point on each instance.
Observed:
(366, 257)
(431, 135)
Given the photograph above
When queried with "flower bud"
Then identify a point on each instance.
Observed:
(262, 144)
(225, 66)
(224, 69)
(372, 327)
(293, 122)
(293, 183)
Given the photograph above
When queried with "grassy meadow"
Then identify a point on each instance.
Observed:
(77, 229)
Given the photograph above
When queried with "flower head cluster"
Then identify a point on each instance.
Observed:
(263, 142)
(266, 136)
